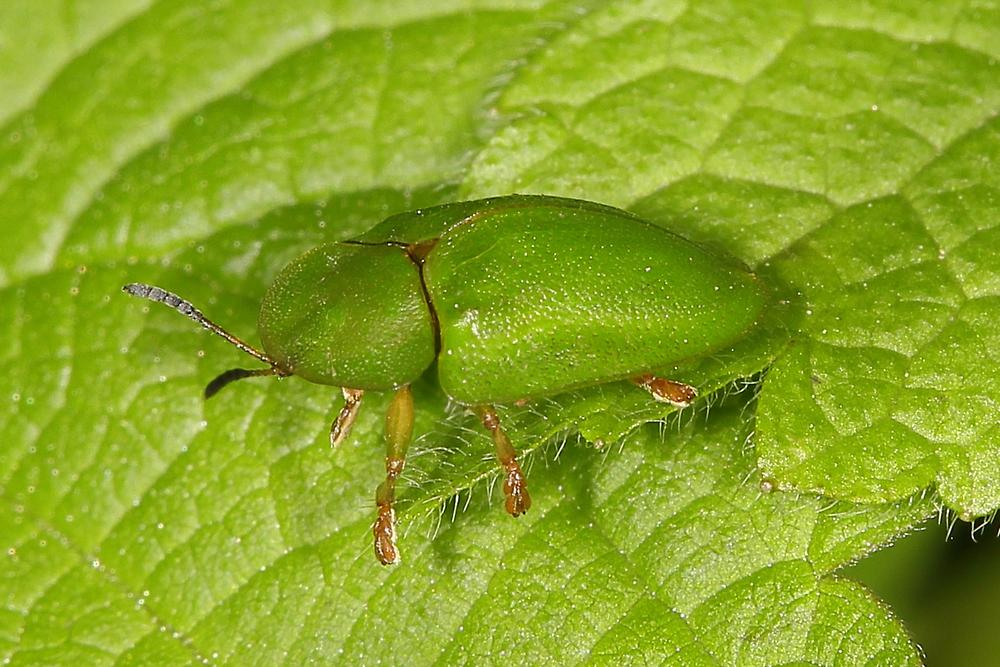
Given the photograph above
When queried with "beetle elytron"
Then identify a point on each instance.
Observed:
(516, 297)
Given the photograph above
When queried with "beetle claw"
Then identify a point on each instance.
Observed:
(516, 489)
(384, 530)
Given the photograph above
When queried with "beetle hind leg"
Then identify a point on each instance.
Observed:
(515, 484)
(667, 391)
(398, 432)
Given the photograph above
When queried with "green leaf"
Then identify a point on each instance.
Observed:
(170, 534)
(893, 383)
(846, 152)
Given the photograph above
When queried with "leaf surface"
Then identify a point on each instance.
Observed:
(849, 154)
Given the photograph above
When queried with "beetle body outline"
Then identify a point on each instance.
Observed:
(515, 297)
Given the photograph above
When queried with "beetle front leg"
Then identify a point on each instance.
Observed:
(667, 391)
(341, 426)
(398, 431)
(515, 486)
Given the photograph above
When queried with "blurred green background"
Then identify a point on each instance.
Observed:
(946, 588)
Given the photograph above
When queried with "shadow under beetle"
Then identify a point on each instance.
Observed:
(516, 297)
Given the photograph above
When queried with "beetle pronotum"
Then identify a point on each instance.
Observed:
(515, 297)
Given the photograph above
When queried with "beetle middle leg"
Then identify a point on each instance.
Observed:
(667, 391)
(341, 426)
(398, 432)
(514, 485)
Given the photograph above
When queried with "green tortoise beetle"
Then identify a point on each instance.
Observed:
(516, 297)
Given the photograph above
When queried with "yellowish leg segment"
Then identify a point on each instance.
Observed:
(398, 432)
(341, 426)
(667, 391)
(514, 485)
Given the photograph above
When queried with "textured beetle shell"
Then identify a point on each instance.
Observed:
(538, 300)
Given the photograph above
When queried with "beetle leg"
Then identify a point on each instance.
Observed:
(514, 485)
(341, 426)
(667, 391)
(398, 431)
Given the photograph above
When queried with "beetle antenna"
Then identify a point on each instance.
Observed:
(185, 307)
(234, 374)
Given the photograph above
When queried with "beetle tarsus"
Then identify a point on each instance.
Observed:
(516, 490)
(667, 391)
(385, 535)
(341, 426)
(515, 484)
